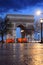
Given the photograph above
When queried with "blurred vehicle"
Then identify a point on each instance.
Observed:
(19, 40)
(25, 40)
(10, 41)
(22, 40)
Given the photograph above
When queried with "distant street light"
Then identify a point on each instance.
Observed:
(22, 30)
(22, 33)
(38, 12)
(41, 21)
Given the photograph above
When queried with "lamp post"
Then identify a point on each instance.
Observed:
(41, 21)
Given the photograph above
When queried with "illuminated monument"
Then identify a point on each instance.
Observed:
(24, 22)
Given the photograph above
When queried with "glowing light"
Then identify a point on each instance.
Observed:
(41, 20)
(38, 12)
(22, 30)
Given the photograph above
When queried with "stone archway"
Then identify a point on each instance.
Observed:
(25, 22)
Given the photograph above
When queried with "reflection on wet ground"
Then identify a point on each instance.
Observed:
(21, 54)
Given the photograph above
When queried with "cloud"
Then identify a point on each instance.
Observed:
(6, 5)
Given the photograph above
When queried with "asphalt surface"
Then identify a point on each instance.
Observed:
(21, 54)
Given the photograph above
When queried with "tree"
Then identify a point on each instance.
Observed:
(9, 26)
(5, 27)
(2, 29)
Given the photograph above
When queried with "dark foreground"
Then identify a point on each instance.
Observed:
(21, 54)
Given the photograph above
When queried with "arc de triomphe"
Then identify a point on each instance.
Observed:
(17, 19)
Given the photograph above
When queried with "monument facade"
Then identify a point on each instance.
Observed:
(25, 22)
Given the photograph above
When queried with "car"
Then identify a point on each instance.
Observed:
(10, 41)
(25, 40)
(22, 40)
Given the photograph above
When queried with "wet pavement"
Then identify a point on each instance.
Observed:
(21, 54)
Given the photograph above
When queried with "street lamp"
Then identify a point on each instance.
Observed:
(41, 21)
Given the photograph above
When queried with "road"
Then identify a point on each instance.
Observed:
(21, 54)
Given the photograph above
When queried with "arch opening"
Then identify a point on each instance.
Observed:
(22, 30)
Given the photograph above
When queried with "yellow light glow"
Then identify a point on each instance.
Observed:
(22, 30)
(41, 20)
